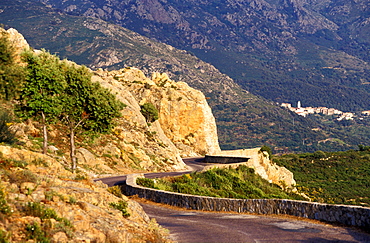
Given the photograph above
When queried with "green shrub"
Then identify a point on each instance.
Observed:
(267, 149)
(121, 206)
(115, 190)
(72, 200)
(4, 207)
(36, 232)
(81, 177)
(36, 209)
(145, 182)
(23, 176)
(6, 134)
(40, 162)
(149, 112)
(50, 194)
(19, 163)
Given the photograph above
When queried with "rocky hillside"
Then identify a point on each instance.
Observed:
(186, 126)
(185, 123)
(41, 201)
(285, 50)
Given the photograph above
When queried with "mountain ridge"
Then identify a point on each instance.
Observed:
(243, 119)
(268, 47)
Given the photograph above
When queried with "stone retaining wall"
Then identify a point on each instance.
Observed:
(343, 214)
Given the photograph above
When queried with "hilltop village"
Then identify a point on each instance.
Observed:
(340, 115)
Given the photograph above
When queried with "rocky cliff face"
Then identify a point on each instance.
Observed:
(17, 40)
(263, 166)
(185, 123)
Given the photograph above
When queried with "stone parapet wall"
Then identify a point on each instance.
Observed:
(224, 159)
(343, 214)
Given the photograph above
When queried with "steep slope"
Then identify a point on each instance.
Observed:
(285, 50)
(186, 126)
(43, 202)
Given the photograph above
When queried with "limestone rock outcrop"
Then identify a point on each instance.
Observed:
(18, 42)
(263, 166)
(185, 119)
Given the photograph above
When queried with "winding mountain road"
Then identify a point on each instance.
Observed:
(198, 226)
(194, 164)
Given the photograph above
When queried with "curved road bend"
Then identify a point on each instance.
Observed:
(197, 226)
(194, 164)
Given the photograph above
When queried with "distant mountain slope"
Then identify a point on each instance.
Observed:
(244, 120)
(98, 44)
(315, 51)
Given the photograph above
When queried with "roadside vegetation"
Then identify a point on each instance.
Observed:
(241, 182)
(327, 177)
(332, 177)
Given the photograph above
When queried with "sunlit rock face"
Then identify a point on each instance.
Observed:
(263, 165)
(186, 124)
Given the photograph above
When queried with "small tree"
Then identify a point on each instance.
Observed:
(149, 112)
(87, 105)
(41, 93)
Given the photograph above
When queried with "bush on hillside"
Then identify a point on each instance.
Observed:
(6, 134)
(241, 182)
(149, 112)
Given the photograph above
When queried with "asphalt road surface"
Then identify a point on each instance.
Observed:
(197, 226)
(194, 164)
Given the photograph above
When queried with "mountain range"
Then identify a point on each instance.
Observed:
(242, 82)
(315, 51)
